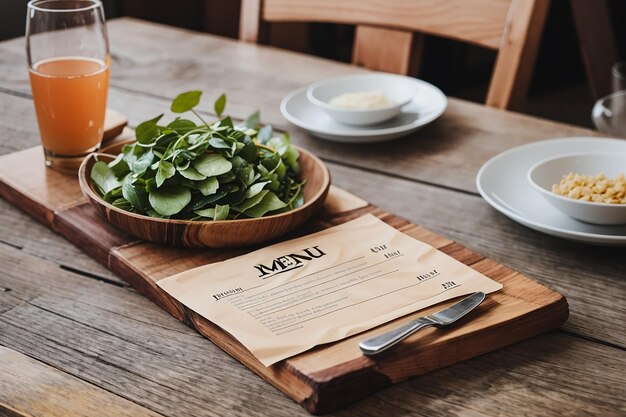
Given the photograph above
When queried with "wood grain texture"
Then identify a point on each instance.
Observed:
(88, 329)
(250, 20)
(27, 170)
(380, 49)
(476, 21)
(114, 124)
(20, 231)
(582, 273)
(29, 388)
(517, 53)
(212, 234)
(383, 37)
(448, 152)
(437, 159)
(334, 375)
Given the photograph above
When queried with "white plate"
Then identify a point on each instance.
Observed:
(426, 105)
(502, 181)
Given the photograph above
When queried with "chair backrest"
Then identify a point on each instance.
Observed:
(388, 32)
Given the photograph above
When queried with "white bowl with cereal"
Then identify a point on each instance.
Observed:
(588, 187)
(362, 99)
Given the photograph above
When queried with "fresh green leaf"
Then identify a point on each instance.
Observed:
(182, 125)
(221, 212)
(290, 157)
(228, 177)
(265, 134)
(119, 166)
(166, 170)
(218, 212)
(165, 140)
(135, 192)
(226, 122)
(170, 200)
(251, 202)
(222, 143)
(175, 169)
(271, 162)
(208, 186)
(123, 204)
(270, 202)
(153, 213)
(113, 195)
(234, 197)
(220, 104)
(186, 101)
(147, 131)
(256, 188)
(150, 184)
(212, 164)
(247, 175)
(249, 150)
(253, 120)
(104, 177)
(192, 174)
(208, 213)
(138, 162)
(210, 199)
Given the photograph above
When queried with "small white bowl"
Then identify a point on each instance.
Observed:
(397, 88)
(550, 171)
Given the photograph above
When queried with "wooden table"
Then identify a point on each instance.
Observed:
(77, 340)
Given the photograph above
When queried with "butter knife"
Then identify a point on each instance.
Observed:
(441, 318)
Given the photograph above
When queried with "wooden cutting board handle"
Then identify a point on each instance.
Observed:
(114, 123)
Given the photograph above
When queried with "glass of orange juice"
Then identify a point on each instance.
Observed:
(68, 57)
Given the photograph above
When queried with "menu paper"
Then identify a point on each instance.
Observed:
(284, 299)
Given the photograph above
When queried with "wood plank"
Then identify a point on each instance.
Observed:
(516, 57)
(379, 49)
(453, 218)
(521, 395)
(333, 375)
(26, 169)
(20, 231)
(250, 20)
(480, 22)
(583, 273)
(449, 152)
(114, 123)
(28, 388)
(383, 38)
(116, 339)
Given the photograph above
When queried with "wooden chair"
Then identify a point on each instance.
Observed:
(385, 38)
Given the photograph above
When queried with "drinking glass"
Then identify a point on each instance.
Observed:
(618, 72)
(68, 57)
(609, 112)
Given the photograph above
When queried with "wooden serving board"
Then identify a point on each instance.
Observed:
(329, 376)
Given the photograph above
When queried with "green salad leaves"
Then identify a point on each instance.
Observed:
(202, 171)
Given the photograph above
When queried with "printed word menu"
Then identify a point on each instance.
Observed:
(284, 299)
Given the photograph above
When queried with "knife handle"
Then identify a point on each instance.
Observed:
(384, 341)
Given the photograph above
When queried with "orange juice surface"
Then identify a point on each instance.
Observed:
(70, 95)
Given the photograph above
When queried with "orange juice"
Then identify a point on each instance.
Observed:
(70, 95)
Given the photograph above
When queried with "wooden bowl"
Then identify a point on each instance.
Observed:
(212, 234)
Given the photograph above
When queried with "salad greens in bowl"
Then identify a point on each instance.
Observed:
(199, 183)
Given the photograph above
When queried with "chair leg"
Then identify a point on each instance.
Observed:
(517, 54)
(597, 43)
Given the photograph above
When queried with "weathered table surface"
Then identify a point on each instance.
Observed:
(76, 340)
